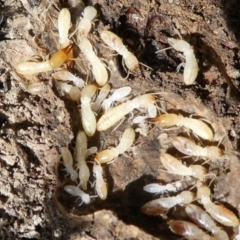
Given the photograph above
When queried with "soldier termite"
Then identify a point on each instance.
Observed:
(113, 115)
(98, 68)
(87, 115)
(188, 230)
(191, 66)
(58, 59)
(125, 143)
(202, 219)
(188, 147)
(217, 212)
(161, 205)
(117, 95)
(68, 163)
(80, 156)
(100, 184)
(76, 191)
(115, 43)
(158, 188)
(173, 165)
(198, 127)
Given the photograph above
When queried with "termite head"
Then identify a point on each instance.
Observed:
(166, 120)
(145, 100)
(203, 191)
(215, 152)
(198, 172)
(187, 197)
(131, 62)
(89, 13)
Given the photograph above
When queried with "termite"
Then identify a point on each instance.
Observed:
(114, 115)
(73, 92)
(87, 115)
(188, 230)
(84, 27)
(64, 24)
(173, 165)
(76, 191)
(191, 66)
(100, 184)
(161, 205)
(115, 43)
(158, 188)
(100, 97)
(188, 147)
(68, 163)
(217, 212)
(125, 143)
(202, 219)
(58, 59)
(117, 95)
(98, 68)
(80, 157)
(198, 127)
(65, 75)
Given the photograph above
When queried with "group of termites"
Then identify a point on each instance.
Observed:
(94, 100)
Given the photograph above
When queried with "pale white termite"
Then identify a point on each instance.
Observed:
(37, 88)
(100, 97)
(64, 24)
(191, 66)
(161, 205)
(65, 75)
(158, 188)
(84, 26)
(87, 115)
(173, 165)
(217, 212)
(188, 230)
(100, 184)
(125, 143)
(117, 95)
(98, 68)
(188, 147)
(80, 157)
(198, 127)
(58, 59)
(76, 191)
(114, 115)
(73, 92)
(202, 219)
(115, 43)
(68, 163)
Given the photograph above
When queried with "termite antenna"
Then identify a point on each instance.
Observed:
(146, 66)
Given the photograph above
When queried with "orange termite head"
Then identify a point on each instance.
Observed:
(166, 120)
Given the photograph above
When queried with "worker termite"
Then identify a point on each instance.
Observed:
(113, 115)
(125, 143)
(117, 95)
(64, 75)
(157, 188)
(87, 115)
(100, 97)
(64, 24)
(188, 147)
(198, 127)
(73, 92)
(84, 26)
(98, 68)
(202, 219)
(191, 66)
(115, 43)
(76, 191)
(80, 156)
(68, 163)
(100, 184)
(188, 230)
(161, 205)
(58, 59)
(174, 166)
(217, 212)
